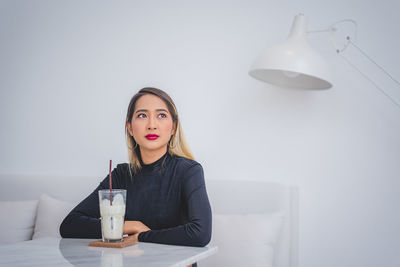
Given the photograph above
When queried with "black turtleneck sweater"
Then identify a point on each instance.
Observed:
(169, 196)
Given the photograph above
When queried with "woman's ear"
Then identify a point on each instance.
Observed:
(128, 126)
(173, 128)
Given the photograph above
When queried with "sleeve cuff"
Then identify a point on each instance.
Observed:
(142, 236)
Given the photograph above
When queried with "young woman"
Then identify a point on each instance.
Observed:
(166, 198)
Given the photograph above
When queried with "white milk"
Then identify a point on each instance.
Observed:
(112, 218)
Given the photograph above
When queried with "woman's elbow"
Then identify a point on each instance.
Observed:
(62, 230)
(65, 228)
(202, 242)
(203, 236)
(202, 239)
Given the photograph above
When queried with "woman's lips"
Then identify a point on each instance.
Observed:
(151, 136)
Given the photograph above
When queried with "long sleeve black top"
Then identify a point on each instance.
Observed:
(169, 196)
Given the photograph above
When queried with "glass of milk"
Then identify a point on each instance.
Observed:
(112, 214)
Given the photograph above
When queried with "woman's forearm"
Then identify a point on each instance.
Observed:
(135, 227)
(80, 226)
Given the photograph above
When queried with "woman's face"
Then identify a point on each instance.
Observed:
(151, 125)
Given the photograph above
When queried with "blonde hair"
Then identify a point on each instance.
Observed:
(177, 144)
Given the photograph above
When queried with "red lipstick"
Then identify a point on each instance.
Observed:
(151, 136)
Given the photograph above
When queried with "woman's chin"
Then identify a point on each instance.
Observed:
(153, 148)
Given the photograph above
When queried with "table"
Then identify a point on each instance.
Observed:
(51, 251)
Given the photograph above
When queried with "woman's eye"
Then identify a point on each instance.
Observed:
(162, 115)
(142, 115)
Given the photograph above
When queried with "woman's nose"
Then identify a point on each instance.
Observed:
(151, 124)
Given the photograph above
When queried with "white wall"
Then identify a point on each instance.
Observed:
(69, 68)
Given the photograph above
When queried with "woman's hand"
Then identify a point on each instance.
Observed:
(134, 237)
(135, 227)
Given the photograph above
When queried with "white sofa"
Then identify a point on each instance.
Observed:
(255, 223)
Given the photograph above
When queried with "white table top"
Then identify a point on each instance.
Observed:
(76, 252)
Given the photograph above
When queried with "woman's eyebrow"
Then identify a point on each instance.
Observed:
(161, 109)
(141, 110)
(145, 110)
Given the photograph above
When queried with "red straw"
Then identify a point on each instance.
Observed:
(110, 184)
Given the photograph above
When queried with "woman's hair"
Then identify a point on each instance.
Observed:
(177, 144)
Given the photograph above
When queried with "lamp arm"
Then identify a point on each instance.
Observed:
(366, 76)
(333, 29)
(371, 81)
(349, 41)
(321, 30)
(373, 61)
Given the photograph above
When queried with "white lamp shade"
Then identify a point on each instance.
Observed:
(293, 63)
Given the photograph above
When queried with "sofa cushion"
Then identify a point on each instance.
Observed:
(17, 220)
(50, 214)
(244, 240)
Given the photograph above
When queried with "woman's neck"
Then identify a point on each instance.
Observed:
(151, 156)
